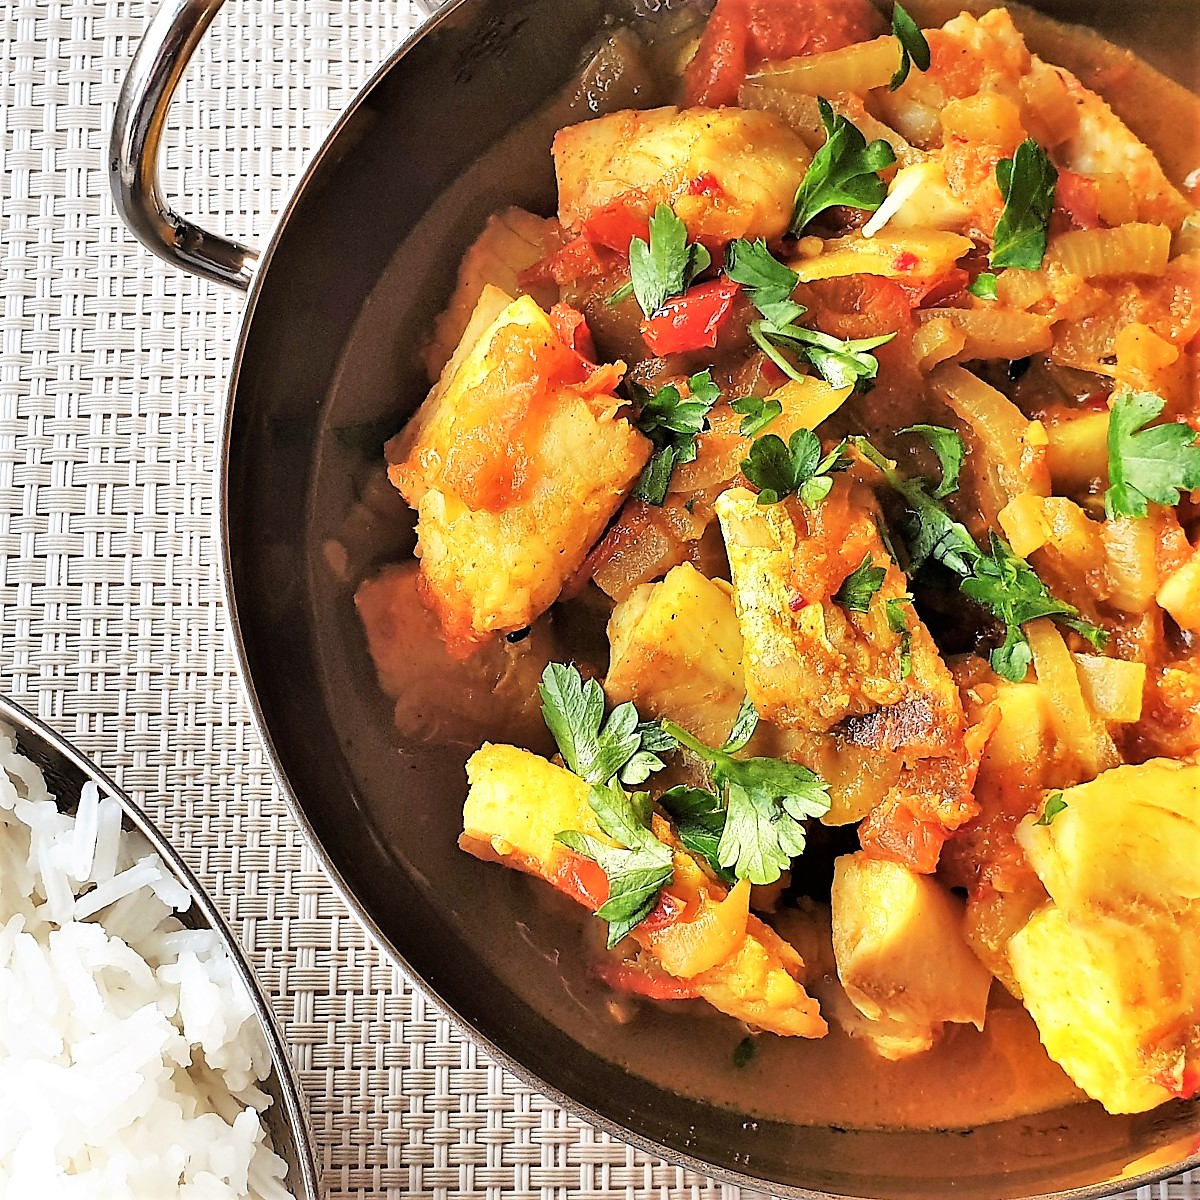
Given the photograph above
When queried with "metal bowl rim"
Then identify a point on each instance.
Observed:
(297, 1117)
(1101, 1191)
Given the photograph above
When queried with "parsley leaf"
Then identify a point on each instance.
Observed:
(699, 818)
(765, 801)
(949, 448)
(768, 282)
(897, 620)
(664, 267)
(769, 285)
(1053, 806)
(1007, 585)
(984, 286)
(595, 749)
(844, 171)
(756, 414)
(620, 295)
(744, 1052)
(859, 587)
(672, 423)
(1155, 464)
(842, 364)
(1000, 580)
(744, 725)
(637, 870)
(914, 49)
(1028, 182)
(795, 468)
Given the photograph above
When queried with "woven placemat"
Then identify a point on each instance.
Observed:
(112, 372)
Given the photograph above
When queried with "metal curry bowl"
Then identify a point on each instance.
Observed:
(323, 373)
(66, 771)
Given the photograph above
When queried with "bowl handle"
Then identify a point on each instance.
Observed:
(141, 116)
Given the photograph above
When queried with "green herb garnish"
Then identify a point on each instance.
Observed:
(620, 295)
(1053, 806)
(596, 749)
(845, 171)
(672, 424)
(897, 619)
(769, 285)
(765, 801)
(780, 469)
(666, 265)
(842, 364)
(947, 444)
(859, 587)
(984, 286)
(744, 1052)
(699, 818)
(1145, 465)
(1028, 182)
(999, 580)
(768, 282)
(756, 414)
(914, 49)
(637, 869)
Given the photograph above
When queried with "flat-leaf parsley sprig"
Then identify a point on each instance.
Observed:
(672, 423)
(795, 467)
(769, 285)
(1029, 183)
(765, 801)
(596, 749)
(637, 869)
(914, 49)
(667, 264)
(1145, 464)
(998, 579)
(845, 171)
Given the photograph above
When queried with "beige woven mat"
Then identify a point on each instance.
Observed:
(112, 369)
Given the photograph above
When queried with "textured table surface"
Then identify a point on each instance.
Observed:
(112, 373)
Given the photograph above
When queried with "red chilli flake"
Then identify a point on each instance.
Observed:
(796, 603)
(907, 261)
(705, 185)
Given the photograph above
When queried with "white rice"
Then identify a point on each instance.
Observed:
(130, 1050)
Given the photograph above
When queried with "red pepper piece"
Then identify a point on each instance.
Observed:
(617, 224)
(692, 321)
(628, 977)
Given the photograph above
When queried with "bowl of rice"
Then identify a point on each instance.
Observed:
(138, 1056)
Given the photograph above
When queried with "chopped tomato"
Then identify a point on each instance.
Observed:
(578, 259)
(741, 35)
(571, 325)
(631, 978)
(692, 321)
(593, 379)
(617, 224)
(578, 877)
(1076, 201)
(894, 833)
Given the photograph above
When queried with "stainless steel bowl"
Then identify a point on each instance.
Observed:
(339, 294)
(66, 771)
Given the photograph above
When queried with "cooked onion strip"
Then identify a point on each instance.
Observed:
(1077, 728)
(859, 68)
(1011, 447)
(995, 331)
(1136, 249)
(1112, 687)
